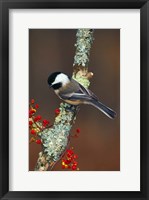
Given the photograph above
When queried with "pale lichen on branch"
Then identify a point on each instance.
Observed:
(83, 46)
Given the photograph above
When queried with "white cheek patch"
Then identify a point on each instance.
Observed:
(61, 78)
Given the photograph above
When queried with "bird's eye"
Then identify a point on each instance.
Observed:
(57, 86)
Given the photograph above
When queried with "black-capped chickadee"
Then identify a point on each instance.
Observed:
(74, 93)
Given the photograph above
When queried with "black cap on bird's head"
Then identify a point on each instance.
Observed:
(52, 77)
(57, 79)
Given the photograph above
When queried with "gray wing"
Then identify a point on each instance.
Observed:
(88, 92)
(78, 92)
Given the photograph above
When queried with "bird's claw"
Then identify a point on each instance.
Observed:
(73, 108)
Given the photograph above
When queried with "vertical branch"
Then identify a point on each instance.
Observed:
(81, 58)
(83, 46)
(55, 140)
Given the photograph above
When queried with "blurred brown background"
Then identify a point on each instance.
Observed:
(98, 145)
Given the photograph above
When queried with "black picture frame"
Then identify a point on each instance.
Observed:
(5, 5)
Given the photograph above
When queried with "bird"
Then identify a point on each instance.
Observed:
(74, 93)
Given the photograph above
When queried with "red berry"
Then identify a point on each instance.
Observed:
(45, 122)
(75, 156)
(69, 155)
(57, 111)
(38, 141)
(31, 112)
(32, 101)
(37, 118)
(74, 167)
(33, 132)
(67, 161)
(37, 106)
(78, 130)
(69, 151)
(75, 163)
(30, 123)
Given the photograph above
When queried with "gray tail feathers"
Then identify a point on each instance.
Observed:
(107, 111)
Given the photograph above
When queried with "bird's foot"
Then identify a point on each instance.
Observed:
(72, 108)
